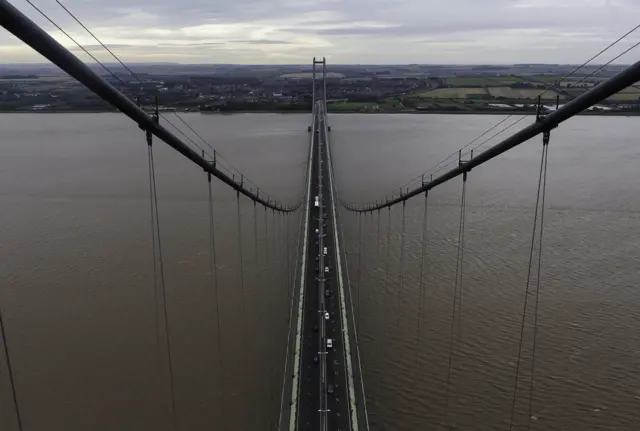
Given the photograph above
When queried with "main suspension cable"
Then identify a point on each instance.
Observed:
(526, 295)
(216, 155)
(77, 43)
(214, 286)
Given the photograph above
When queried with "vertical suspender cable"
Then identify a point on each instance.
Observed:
(402, 239)
(214, 287)
(257, 271)
(535, 311)
(386, 265)
(378, 277)
(461, 247)
(266, 244)
(526, 294)
(289, 275)
(274, 235)
(268, 279)
(359, 266)
(153, 247)
(456, 292)
(156, 232)
(243, 332)
(10, 371)
(422, 284)
(386, 270)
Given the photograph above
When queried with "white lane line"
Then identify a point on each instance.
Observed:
(293, 298)
(295, 387)
(364, 398)
(345, 328)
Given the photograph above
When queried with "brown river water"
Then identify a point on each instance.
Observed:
(77, 293)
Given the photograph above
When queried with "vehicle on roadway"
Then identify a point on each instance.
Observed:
(317, 202)
(326, 269)
(326, 315)
(329, 343)
(324, 251)
(330, 388)
(315, 359)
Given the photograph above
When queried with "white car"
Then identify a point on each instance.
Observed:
(324, 251)
(329, 343)
(326, 269)
(326, 315)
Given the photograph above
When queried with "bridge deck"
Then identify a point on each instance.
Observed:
(323, 393)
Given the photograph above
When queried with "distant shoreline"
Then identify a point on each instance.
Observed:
(434, 112)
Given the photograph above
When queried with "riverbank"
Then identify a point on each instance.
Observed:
(433, 112)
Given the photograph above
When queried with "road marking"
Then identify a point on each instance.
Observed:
(345, 327)
(295, 387)
(335, 216)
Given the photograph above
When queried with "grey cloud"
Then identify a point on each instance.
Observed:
(353, 30)
(262, 42)
(90, 47)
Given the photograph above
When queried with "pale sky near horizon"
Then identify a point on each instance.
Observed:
(344, 31)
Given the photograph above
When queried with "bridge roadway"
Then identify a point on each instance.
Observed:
(322, 387)
(322, 369)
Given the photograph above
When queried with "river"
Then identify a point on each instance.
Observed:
(77, 293)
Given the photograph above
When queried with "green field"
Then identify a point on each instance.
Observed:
(626, 96)
(453, 93)
(351, 106)
(484, 81)
(462, 81)
(309, 75)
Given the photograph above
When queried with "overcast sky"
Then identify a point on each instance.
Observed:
(345, 31)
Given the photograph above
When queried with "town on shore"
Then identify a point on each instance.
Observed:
(464, 89)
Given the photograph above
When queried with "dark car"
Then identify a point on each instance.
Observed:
(330, 389)
(315, 359)
(315, 328)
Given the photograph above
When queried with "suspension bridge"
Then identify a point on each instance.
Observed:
(322, 383)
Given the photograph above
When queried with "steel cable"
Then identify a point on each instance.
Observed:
(526, 295)
(214, 286)
(456, 293)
